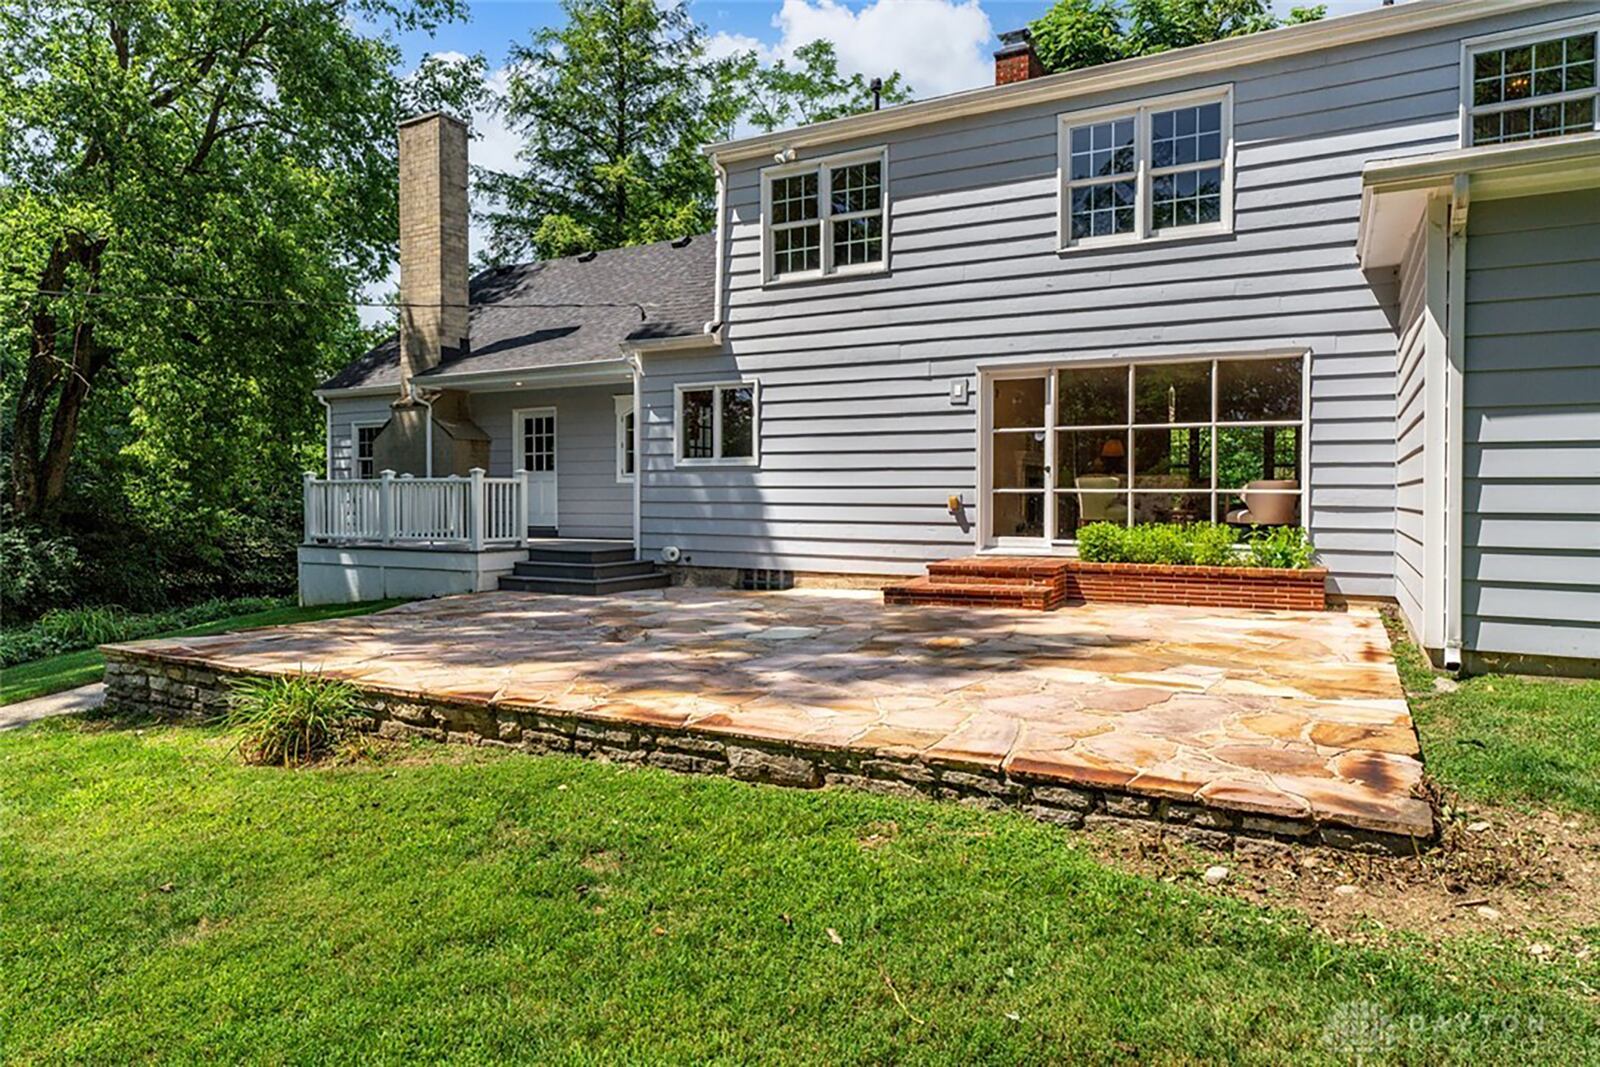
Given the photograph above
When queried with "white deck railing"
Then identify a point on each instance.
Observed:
(471, 512)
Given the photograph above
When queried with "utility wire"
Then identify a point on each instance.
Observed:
(265, 301)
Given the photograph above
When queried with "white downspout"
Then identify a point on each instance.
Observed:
(1455, 420)
(638, 455)
(722, 215)
(327, 437)
(427, 433)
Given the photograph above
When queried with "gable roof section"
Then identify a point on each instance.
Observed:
(1215, 56)
(561, 312)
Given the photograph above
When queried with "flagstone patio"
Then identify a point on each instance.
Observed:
(1283, 722)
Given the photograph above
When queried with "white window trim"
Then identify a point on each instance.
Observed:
(823, 166)
(356, 426)
(1494, 42)
(624, 409)
(1052, 541)
(1144, 176)
(716, 423)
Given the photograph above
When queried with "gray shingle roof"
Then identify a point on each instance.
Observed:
(671, 279)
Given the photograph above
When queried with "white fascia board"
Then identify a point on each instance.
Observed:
(1380, 22)
(1395, 192)
(688, 342)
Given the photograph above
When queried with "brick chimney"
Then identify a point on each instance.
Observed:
(433, 242)
(1016, 61)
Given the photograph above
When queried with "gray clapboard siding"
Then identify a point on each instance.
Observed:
(860, 367)
(1531, 494)
(347, 414)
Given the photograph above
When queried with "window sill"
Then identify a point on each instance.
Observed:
(867, 271)
(1159, 237)
(747, 462)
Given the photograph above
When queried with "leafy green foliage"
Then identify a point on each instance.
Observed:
(615, 105)
(64, 630)
(809, 90)
(1281, 546)
(1085, 33)
(1206, 544)
(190, 196)
(288, 720)
(36, 568)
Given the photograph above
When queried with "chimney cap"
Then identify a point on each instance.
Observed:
(1013, 41)
(426, 115)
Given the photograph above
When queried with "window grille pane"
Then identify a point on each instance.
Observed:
(858, 241)
(1186, 135)
(1172, 459)
(1258, 390)
(1178, 508)
(1187, 198)
(1102, 150)
(856, 188)
(1092, 396)
(697, 427)
(1019, 460)
(796, 249)
(1078, 509)
(794, 199)
(1018, 514)
(738, 422)
(1248, 454)
(1093, 459)
(1259, 507)
(1172, 392)
(1102, 210)
(1019, 402)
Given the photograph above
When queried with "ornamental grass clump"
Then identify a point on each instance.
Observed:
(291, 720)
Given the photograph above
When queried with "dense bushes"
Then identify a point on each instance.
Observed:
(59, 630)
(1206, 544)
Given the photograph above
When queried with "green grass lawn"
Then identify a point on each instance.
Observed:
(1500, 739)
(163, 901)
(69, 670)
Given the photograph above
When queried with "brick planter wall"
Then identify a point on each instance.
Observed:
(1230, 587)
(1043, 583)
(186, 691)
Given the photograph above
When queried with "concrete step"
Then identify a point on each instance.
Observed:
(584, 570)
(584, 587)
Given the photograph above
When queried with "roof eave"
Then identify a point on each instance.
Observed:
(1199, 59)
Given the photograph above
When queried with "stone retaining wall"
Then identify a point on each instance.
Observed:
(186, 692)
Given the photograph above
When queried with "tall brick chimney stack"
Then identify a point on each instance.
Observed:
(1016, 61)
(433, 242)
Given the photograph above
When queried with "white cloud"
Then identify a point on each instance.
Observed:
(722, 44)
(940, 46)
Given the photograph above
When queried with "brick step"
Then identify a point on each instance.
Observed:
(1034, 596)
(1000, 570)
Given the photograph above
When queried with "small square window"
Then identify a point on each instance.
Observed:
(718, 423)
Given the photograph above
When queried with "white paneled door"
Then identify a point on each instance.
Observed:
(534, 437)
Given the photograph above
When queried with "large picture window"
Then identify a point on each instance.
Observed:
(826, 216)
(718, 423)
(1529, 86)
(1218, 440)
(1162, 168)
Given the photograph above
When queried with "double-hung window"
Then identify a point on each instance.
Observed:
(1527, 86)
(1161, 168)
(366, 435)
(827, 216)
(718, 423)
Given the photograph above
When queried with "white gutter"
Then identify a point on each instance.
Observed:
(427, 434)
(1379, 23)
(715, 324)
(1455, 419)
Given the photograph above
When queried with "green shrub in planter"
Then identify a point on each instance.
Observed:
(1282, 546)
(1102, 542)
(1214, 544)
(289, 720)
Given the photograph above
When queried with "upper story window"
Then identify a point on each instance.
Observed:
(1531, 85)
(366, 434)
(1161, 168)
(826, 216)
